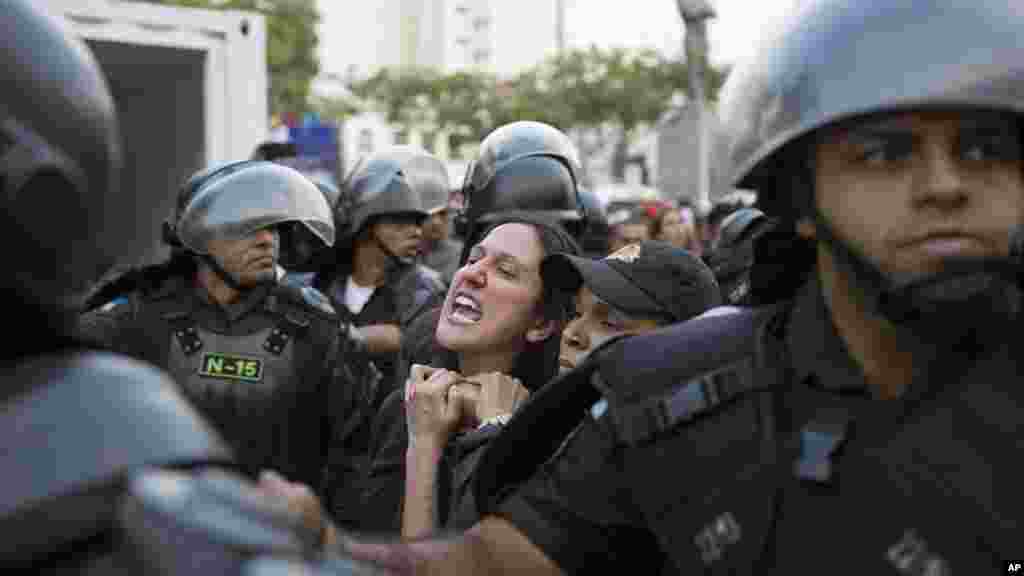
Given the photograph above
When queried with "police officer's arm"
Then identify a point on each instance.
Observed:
(103, 326)
(573, 516)
(417, 295)
(381, 338)
(493, 546)
(349, 389)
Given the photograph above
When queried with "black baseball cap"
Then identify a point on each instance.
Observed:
(649, 279)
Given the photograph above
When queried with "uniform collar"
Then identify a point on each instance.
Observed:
(816, 349)
(246, 304)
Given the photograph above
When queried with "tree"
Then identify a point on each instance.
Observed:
(605, 95)
(291, 46)
(613, 92)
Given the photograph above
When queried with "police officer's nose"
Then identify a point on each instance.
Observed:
(941, 184)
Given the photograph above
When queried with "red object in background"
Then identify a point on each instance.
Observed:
(291, 119)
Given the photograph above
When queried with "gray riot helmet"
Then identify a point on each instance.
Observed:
(523, 167)
(237, 199)
(394, 181)
(841, 60)
(329, 190)
(67, 221)
(812, 73)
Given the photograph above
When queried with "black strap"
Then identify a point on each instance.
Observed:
(765, 369)
(185, 332)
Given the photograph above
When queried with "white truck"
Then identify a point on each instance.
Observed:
(190, 86)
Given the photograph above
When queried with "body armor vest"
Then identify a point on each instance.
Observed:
(234, 380)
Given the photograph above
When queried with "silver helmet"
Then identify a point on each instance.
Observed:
(839, 59)
(235, 200)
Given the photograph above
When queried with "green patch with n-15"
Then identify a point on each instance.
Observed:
(230, 366)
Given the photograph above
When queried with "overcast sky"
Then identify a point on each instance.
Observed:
(656, 23)
(347, 32)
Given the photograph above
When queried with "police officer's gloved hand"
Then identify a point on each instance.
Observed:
(214, 522)
(304, 504)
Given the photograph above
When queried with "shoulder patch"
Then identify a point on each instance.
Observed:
(317, 300)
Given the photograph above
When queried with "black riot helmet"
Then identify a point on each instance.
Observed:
(392, 181)
(733, 255)
(811, 75)
(66, 220)
(239, 198)
(596, 230)
(522, 167)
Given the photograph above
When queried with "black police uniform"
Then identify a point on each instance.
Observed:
(409, 291)
(272, 371)
(748, 442)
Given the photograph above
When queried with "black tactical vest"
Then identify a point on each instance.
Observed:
(256, 389)
(740, 470)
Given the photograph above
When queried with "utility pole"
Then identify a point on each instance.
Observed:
(695, 15)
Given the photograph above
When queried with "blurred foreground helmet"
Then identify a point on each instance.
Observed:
(66, 219)
(234, 200)
(934, 54)
(394, 181)
(526, 167)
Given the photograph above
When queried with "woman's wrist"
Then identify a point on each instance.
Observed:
(425, 448)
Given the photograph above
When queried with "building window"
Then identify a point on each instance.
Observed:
(479, 23)
(461, 8)
(480, 56)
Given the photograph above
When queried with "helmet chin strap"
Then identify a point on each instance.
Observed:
(394, 262)
(230, 279)
(964, 294)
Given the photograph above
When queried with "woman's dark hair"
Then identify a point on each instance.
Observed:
(538, 363)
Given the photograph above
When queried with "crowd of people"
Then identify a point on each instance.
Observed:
(822, 381)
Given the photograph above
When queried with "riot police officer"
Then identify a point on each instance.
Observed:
(372, 277)
(524, 166)
(597, 232)
(265, 362)
(733, 256)
(440, 251)
(843, 426)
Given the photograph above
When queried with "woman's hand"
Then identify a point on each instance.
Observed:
(499, 394)
(437, 403)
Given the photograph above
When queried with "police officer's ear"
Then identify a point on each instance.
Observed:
(541, 330)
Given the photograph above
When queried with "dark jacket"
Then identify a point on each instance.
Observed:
(407, 294)
(309, 426)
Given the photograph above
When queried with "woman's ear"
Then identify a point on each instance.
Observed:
(542, 330)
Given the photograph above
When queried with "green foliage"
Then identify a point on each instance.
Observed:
(291, 46)
(587, 89)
